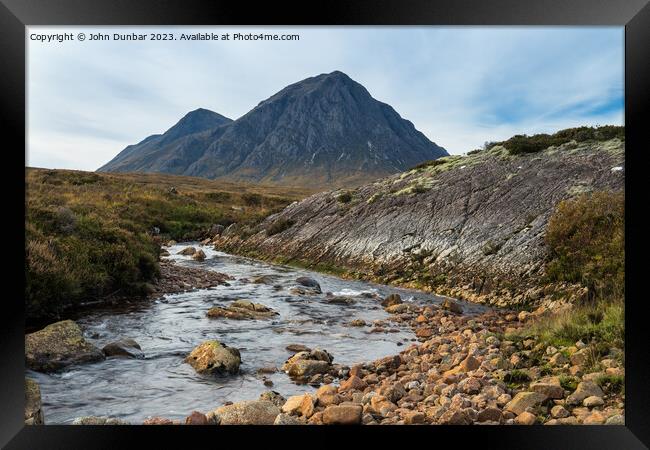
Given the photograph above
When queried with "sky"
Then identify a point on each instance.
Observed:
(460, 86)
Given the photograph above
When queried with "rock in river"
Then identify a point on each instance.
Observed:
(242, 310)
(124, 347)
(214, 357)
(199, 255)
(33, 411)
(392, 299)
(307, 364)
(309, 282)
(59, 345)
(452, 306)
(187, 251)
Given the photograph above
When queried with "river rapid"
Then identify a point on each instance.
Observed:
(167, 329)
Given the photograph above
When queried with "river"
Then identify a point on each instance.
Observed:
(169, 328)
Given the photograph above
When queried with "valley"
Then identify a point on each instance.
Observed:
(485, 288)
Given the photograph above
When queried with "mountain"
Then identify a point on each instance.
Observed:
(326, 130)
(471, 227)
(170, 152)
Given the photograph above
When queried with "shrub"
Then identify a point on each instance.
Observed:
(252, 199)
(431, 163)
(516, 377)
(345, 197)
(522, 143)
(279, 226)
(586, 241)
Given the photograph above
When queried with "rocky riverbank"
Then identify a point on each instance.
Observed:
(464, 370)
(175, 278)
(470, 227)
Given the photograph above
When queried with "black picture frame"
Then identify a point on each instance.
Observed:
(15, 15)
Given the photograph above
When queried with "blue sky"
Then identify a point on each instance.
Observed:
(460, 86)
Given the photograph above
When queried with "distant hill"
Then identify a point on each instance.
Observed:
(326, 130)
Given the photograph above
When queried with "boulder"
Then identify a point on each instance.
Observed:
(526, 418)
(273, 397)
(307, 364)
(452, 306)
(33, 410)
(302, 290)
(187, 251)
(585, 389)
(59, 345)
(196, 418)
(306, 368)
(299, 405)
(95, 420)
(616, 419)
(490, 414)
(525, 400)
(340, 300)
(559, 412)
(414, 418)
(558, 360)
(252, 412)
(353, 383)
(397, 309)
(347, 414)
(296, 348)
(198, 255)
(213, 357)
(157, 421)
(309, 282)
(548, 386)
(163, 252)
(593, 401)
(124, 347)
(392, 299)
(327, 395)
(454, 417)
(285, 419)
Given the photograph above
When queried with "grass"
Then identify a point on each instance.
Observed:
(568, 383)
(91, 235)
(612, 384)
(602, 322)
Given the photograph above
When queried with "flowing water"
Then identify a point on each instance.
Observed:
(169, 328)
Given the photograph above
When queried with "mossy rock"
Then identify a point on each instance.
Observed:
(212, 357)
(59, 345)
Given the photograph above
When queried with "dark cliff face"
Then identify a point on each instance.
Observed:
(326, 131)
(468, 226)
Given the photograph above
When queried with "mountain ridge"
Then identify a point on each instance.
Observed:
(324, 130)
